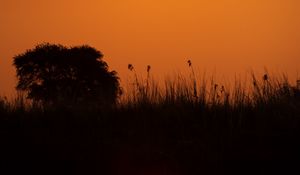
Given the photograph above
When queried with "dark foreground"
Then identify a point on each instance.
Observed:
(148, 139)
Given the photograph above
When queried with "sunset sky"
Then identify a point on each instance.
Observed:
(229, 36)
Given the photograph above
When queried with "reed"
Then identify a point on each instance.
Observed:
(200, 123)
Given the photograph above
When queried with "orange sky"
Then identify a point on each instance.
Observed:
(229, 36)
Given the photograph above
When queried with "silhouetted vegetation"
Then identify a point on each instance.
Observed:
(188, 126)
(55, 74)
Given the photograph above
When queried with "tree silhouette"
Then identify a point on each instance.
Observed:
(53, 74)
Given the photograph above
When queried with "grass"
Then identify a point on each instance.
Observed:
(187, 126)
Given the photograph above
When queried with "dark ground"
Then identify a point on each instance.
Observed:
(152, 140)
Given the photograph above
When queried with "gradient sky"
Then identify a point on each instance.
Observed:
(229, 36)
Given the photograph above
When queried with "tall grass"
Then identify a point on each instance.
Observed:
(264, 90)
(202, 125)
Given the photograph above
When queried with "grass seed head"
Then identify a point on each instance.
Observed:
(190, 63)
(148, 68)
(266, 77)
(130, 67)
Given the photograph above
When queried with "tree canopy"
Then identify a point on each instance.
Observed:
(53, 73)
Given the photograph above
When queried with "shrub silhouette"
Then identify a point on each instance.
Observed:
(55, 74)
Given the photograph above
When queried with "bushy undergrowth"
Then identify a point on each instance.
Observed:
(197, 127)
